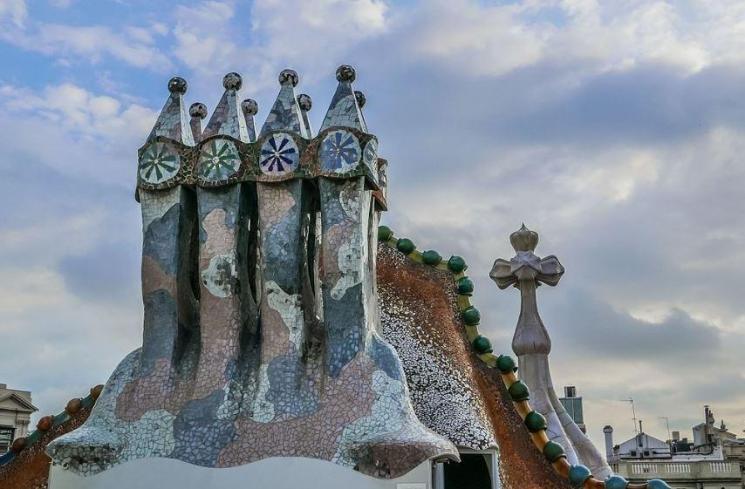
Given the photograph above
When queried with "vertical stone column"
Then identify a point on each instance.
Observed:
(532, 344)
(226, 306)
(286, 387)
(167, 252)
(345, 215)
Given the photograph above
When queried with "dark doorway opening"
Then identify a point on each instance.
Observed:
(473, 472)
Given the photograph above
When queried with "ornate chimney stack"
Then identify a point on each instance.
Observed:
(253, 348)
(532, 344)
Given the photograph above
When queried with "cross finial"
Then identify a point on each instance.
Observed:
(526, 271)
(525, 265)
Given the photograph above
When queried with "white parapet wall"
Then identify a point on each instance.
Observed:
(271, 473)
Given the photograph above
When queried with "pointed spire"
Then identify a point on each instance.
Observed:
(285, 114)
(250, 108)
(227, 118)
(197, 111)
(173, 121)
(305, 103)
(344, 109)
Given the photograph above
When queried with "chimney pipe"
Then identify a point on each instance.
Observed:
(608, 430)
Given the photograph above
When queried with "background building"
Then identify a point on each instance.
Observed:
(573, 404)
(15, 414)
(714, 460)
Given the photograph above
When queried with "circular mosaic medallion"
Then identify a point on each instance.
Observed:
(218, 161)
(370, 155)
(340, 151)
(158, 164)
(279, 155)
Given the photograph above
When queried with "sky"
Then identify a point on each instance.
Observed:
(615, 129)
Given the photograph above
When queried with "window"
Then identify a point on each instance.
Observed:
(476, 470)
(6, 438)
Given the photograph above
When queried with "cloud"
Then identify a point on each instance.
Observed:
(615, 129)
(68, 113)
(588, 327)
(96, 44)
(203, 36)
(107, 273)
(15, 11)
(213, 37)
(68, 239)
(480, 40)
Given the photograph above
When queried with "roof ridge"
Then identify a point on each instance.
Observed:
(578, 476)
(20, 398)
(47, 423)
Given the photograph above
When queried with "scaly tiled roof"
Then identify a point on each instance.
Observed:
(578, 476)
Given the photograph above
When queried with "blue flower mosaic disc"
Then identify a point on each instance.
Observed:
(218, 161)
(158, 164)
(340, 151)
(370, 155)
(279, 155)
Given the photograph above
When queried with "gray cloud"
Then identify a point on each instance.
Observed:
(587, 327)
(631, 172)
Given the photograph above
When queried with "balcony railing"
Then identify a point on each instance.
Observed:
(679, 470)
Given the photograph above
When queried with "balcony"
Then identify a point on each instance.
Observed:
(679, 471)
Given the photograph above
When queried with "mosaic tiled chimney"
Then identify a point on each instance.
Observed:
(258, 280)
(532, 344)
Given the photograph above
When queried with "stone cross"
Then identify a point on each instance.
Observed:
(531, 344)
(526, 271)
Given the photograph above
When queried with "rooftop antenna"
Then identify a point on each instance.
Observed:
(667, 424)
(633, 412)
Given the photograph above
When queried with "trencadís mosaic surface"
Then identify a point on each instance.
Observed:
(264, 333)
(260, 319)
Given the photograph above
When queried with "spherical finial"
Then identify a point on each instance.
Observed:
(345, 73)
(305, 102)
(361, 99)
(288, 76)
(177, 85)
(198, 110)
(250, 107)
(232, 81)
(524, 239)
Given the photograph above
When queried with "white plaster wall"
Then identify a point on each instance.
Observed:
(272, 473)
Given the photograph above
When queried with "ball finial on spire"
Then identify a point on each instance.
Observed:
(305, 102)
(232, 81)
(345, 73)
(361, 99)
(288, 76)
(250, 107)
(177, 85)
(198, 110)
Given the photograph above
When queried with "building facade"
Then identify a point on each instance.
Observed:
(15, 415)
(714, 460)
(573, 405)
